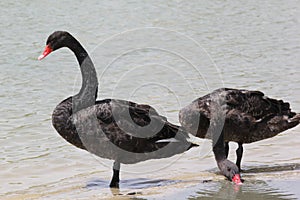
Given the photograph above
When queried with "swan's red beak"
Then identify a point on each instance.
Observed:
(237, 179)
(47, 51)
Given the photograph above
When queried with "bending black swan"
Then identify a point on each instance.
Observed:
(244, 117)
(114, 129)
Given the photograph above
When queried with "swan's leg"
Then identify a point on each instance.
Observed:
(116, 178)
(226, 149)
(239, 154)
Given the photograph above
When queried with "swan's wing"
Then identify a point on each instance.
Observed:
(126, 118)
(140, 120)
(255, 104)
(252, 103)
(115, 128)
(114, 109)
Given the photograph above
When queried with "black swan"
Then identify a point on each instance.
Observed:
(120, 130)
(248, 116)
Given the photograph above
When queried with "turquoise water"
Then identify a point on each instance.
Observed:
(161, 53)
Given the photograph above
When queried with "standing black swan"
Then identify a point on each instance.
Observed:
(114, 129)
(248, 116)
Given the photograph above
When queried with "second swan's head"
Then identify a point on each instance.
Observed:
(56, 40)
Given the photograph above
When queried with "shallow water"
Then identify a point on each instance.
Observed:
(163, 54)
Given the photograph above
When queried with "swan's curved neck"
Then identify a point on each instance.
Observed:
(88, 91)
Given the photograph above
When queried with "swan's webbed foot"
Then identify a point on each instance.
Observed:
(114, 183)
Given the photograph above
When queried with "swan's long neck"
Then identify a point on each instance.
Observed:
(88, 91)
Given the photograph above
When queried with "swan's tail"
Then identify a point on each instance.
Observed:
(295, 120)
(181, 136)
(193, 139)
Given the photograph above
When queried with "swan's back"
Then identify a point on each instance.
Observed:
(248, 115)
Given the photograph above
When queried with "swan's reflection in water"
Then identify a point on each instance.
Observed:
(260, 183)
(132, 187)
(249, 190)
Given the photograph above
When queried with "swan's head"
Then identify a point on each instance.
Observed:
(231, 171)
(56, 40)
